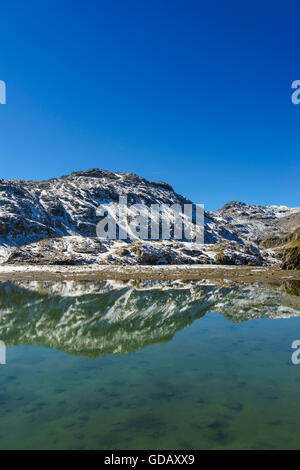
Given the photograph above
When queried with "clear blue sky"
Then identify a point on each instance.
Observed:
(195, 93)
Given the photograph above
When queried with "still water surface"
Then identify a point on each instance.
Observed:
(149, 366)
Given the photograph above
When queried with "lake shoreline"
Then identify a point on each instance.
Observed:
(143, 272)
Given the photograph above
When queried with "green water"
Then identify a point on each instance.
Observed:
(95, 366)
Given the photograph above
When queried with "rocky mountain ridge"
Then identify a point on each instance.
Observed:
(54, 222)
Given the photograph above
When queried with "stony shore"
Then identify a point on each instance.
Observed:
(113, 272)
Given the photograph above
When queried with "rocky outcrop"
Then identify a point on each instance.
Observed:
(286, 247)
(290, 258)
(83, 250)
(229, 253)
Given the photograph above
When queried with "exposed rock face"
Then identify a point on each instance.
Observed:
(274, 240)
(281, 238)
(254, 222)
(82, 250)
(33, 210)
(60, 251)
(39, 213)
(291, 257)
(287, 248)
(289, 223)
(229, 253)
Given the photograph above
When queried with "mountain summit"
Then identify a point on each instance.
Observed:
(61, 213)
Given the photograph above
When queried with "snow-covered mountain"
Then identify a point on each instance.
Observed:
(32, 211)
(252, 222)
(99, 318)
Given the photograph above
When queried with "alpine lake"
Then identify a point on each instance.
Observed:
(149, 365)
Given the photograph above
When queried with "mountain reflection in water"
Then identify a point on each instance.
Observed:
(97, 318)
